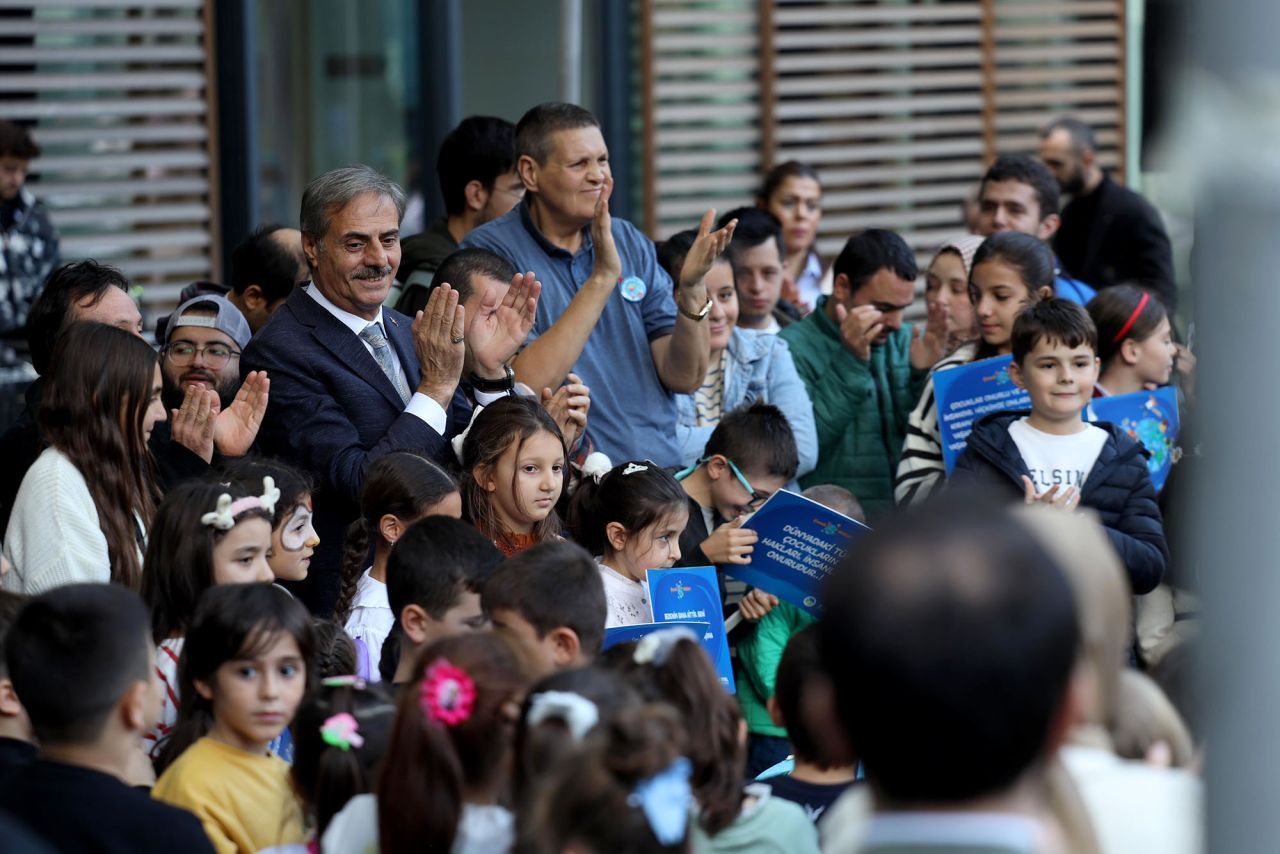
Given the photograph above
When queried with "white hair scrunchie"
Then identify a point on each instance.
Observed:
(577, 712)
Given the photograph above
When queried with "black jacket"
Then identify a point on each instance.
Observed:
(1118, 488)
(1114, 236)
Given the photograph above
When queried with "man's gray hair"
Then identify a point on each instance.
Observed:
(334, 189)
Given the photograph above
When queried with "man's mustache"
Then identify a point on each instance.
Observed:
(373, 272)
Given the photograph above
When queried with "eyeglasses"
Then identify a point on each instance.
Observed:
(757, 498)
(183, 353)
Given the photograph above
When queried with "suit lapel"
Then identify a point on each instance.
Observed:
(345, 345)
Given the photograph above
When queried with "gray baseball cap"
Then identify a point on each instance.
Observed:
(228, 319)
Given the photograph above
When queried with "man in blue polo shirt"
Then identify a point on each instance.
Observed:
(606, 311)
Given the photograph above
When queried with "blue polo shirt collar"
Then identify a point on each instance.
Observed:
(547, 246)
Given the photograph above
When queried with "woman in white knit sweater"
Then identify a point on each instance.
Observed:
(83, 509)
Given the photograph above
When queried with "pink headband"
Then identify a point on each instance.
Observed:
(1133, 318)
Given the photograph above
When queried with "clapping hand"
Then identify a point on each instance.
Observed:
(192, 425)
(236, 427)
(608, 266)
(439, 341)
(707, 247)
(1055, 497)
(502, 325)
(929, 344)
(568, 407)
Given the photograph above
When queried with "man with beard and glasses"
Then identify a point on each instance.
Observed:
(1109, 234)
(200, 366)
(351, 380)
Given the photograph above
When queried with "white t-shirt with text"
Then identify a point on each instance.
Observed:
(1055, 460)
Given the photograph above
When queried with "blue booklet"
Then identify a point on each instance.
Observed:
(965, 393)
(800, 542)
(625, 634)
(692, 594)
(1149, 417)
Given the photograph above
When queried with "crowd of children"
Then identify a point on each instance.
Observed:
(469, 693)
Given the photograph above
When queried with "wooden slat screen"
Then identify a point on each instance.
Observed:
(118, 98)
(900, 104)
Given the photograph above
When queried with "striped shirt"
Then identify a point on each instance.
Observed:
(921, 469)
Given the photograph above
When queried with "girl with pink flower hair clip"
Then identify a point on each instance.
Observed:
(447, 764)
(340, 737)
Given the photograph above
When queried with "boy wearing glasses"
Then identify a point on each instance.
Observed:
(751, 455)
(200, 367)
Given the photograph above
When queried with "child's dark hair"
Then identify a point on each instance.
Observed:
(505, 421)
(1025, 254)
(232, 621)
(1056, 320)
(552, 585)
(539, 746)
(686, 679)
(757, 437)
(401, 484)
(10, 604)
(179, 562)
(429, 763)
(800, 665)
(1028, 255)
(437, 560)
(327, 775)
(294, 484)
(588, 802)
(634, 494)
(837, 498)
(335, 650)
(72, 653)
(1121, 312)
(755, 227)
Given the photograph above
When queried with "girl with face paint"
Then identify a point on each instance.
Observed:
(293, 536)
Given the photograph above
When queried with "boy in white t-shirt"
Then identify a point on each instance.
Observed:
(1050, 455)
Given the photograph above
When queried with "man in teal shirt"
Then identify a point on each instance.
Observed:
(863, 367)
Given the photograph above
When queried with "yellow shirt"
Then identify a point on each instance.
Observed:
(244, 800)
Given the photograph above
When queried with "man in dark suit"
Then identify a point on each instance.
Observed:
(1109, 234)
(351, 380)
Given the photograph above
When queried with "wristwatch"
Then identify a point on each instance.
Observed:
(507, 383)
(696, 315)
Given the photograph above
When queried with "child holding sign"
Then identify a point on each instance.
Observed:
(751, 454)
(1010, 271)
(760, 652)
(1052, 456)
(630, 519)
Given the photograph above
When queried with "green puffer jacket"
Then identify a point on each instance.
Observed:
(758, 656)
(860, 408)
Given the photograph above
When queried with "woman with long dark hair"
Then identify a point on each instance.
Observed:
(84, 507)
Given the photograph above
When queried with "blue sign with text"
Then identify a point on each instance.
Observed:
(692, 594)
(800, 542)
(966, 393)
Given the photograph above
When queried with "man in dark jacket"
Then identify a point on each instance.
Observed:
(1109, 234)
(476, 167)
(1050, 456)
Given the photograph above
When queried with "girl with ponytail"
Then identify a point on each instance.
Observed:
(400, 489)
(448, 759)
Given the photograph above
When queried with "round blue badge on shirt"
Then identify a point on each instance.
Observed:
(633, 289)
